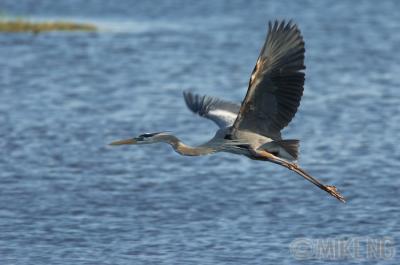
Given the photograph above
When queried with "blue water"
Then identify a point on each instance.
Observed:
(68, 198)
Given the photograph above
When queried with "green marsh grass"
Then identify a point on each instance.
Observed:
(20, 25)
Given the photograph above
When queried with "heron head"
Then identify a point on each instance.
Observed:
(146, 138)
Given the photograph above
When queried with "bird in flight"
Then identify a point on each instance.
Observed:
(253, 128)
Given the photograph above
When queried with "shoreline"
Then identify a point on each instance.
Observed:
(11, 26)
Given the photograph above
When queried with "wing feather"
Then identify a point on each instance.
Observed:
(222, 112)
(276, 83)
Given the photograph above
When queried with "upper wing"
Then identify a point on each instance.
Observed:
(276, 84)
(223, 113)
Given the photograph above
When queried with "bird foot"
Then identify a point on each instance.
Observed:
(335, 193)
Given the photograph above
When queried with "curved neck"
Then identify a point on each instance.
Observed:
(182, 148)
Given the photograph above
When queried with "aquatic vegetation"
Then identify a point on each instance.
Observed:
(37, 27)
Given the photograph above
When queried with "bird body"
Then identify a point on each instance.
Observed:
(253, 128)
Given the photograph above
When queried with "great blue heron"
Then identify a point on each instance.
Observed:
(254, 128)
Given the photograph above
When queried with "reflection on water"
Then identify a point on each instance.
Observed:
(67, 197)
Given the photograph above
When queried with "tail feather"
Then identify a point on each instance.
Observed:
(291, 146)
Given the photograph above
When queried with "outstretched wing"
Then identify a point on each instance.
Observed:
(223, 113)
(276, 84)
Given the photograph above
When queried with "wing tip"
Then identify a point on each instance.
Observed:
(190, 100)
(290, 29)
(196, 103)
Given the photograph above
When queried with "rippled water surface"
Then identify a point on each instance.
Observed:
(68, 198)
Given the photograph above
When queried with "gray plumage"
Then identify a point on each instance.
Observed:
(254, 128)
(222, 112)
(276, 84)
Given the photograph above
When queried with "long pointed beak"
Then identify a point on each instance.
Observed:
(125, 141)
